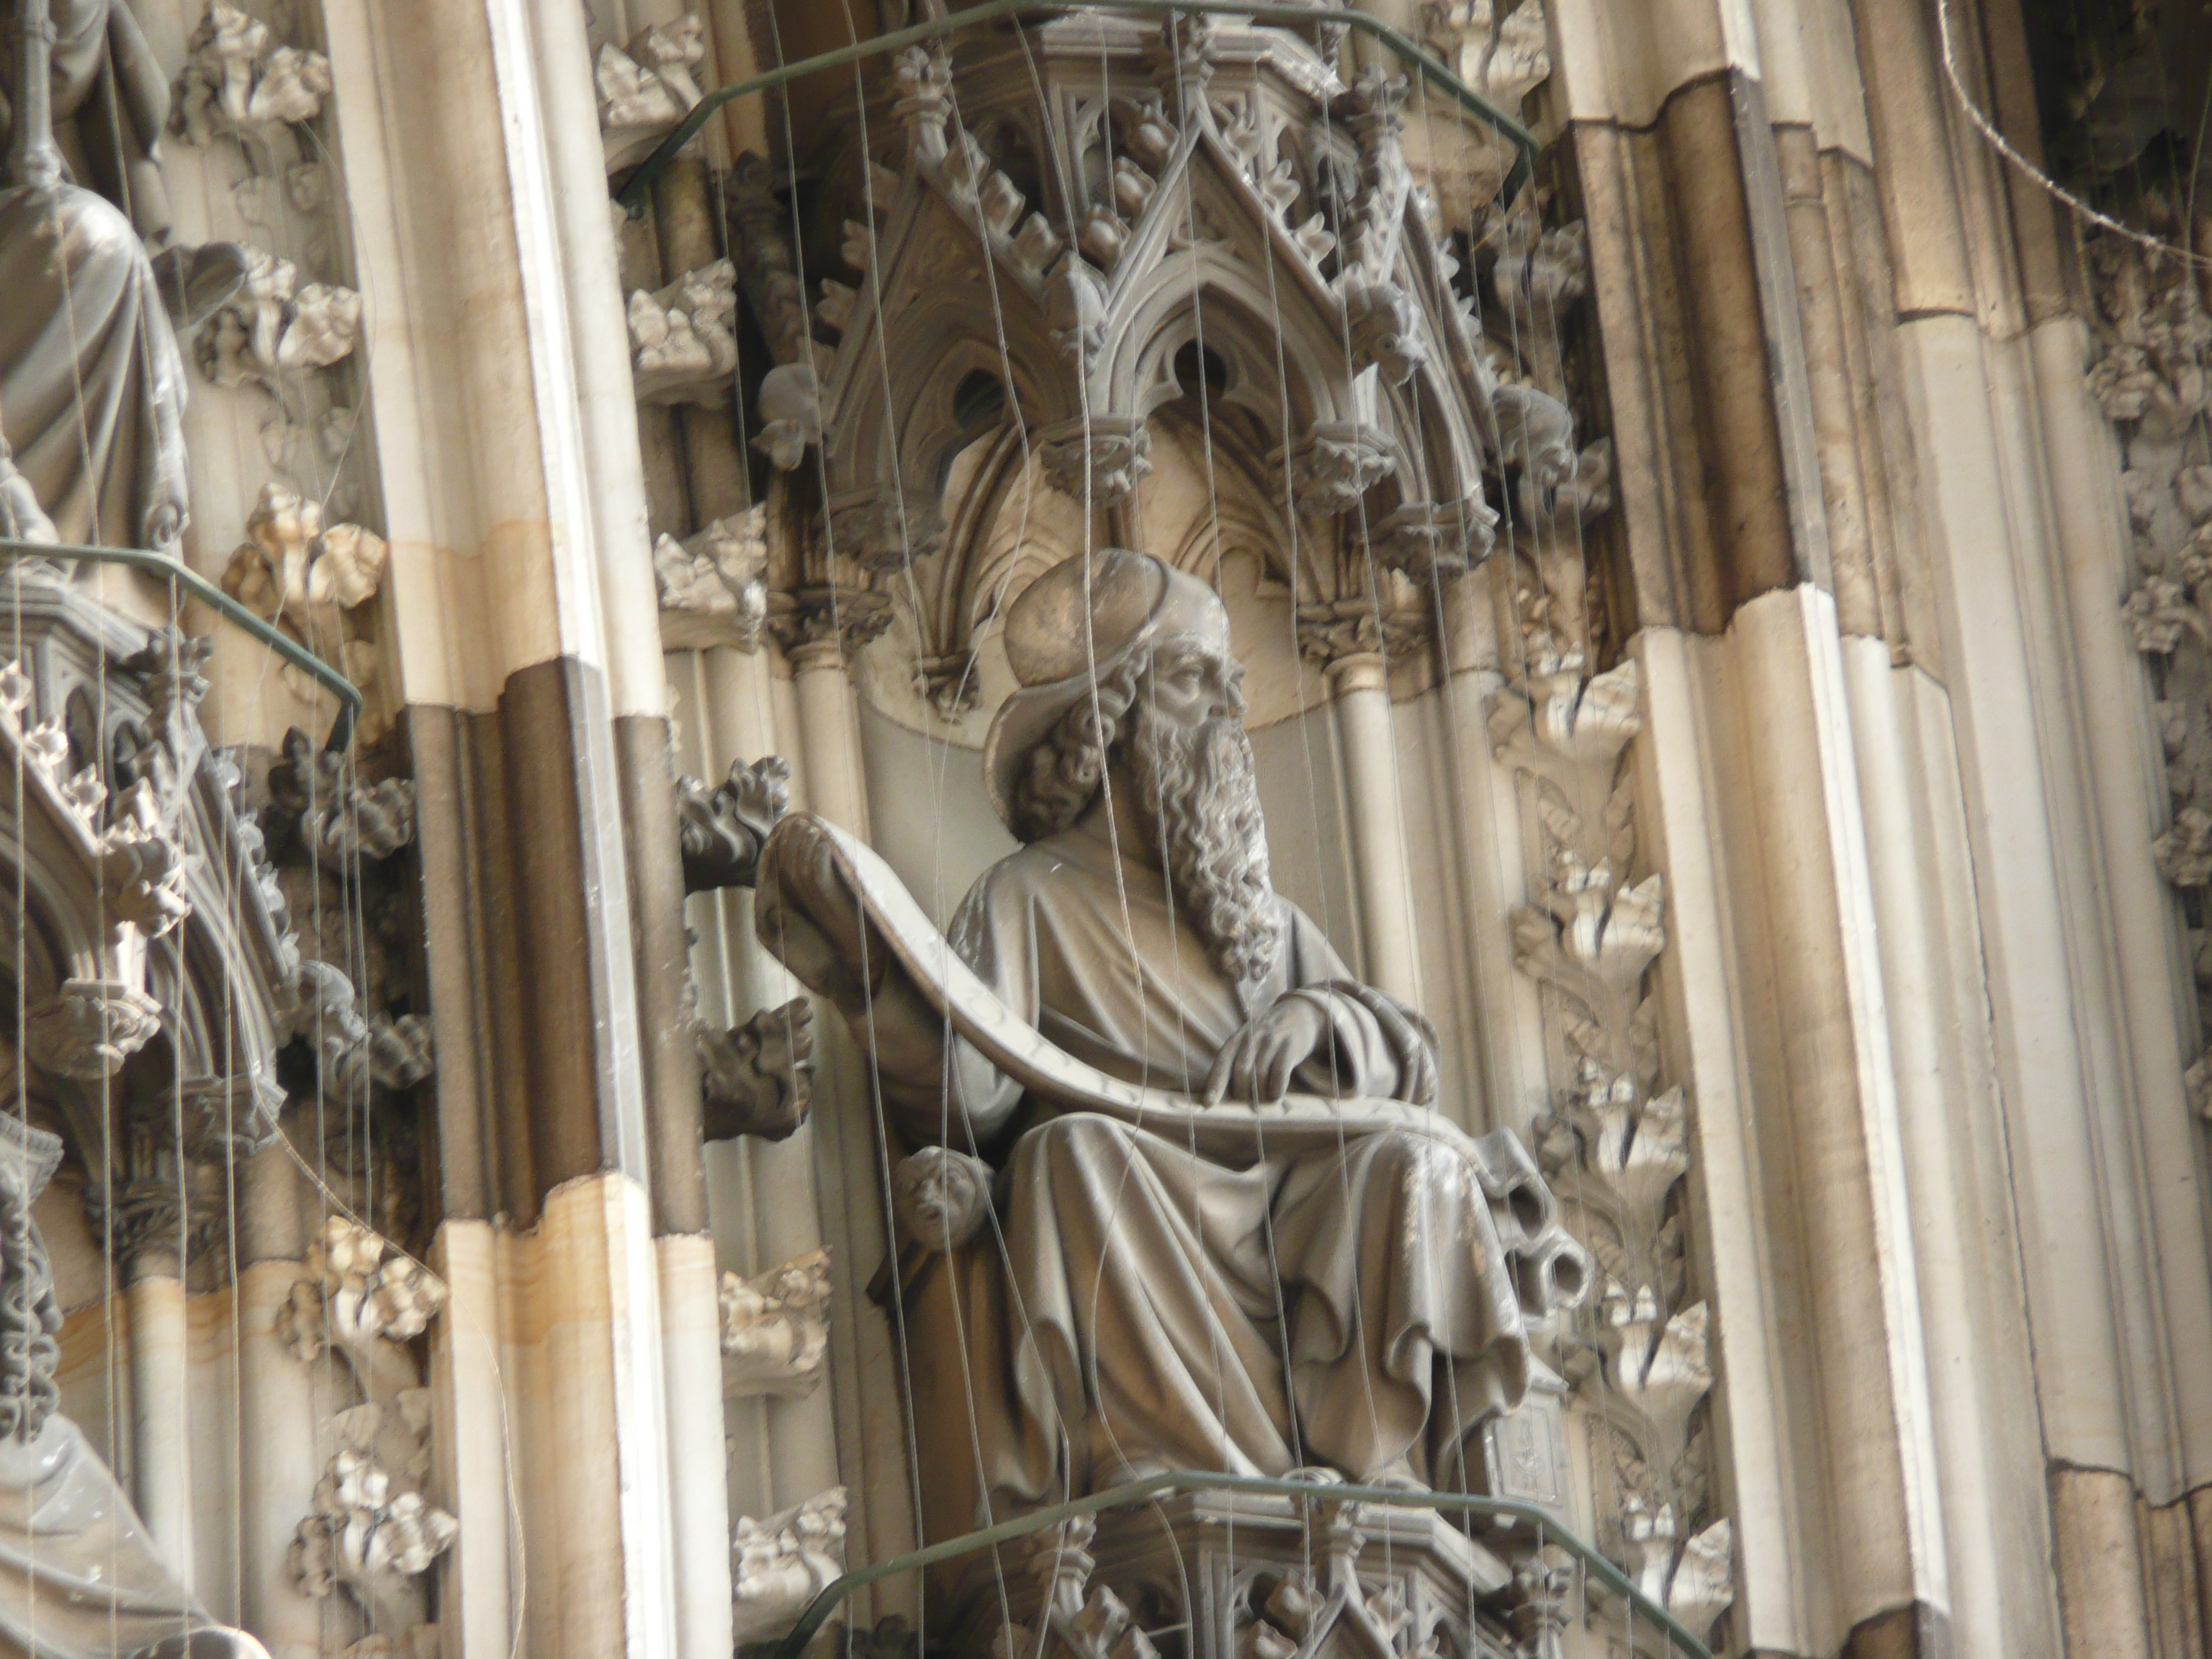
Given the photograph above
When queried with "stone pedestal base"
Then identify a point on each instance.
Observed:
(1218, 1575)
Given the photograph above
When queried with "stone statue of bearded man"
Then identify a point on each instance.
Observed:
(1227, 1230)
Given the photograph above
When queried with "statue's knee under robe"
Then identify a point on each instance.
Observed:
(1144, 1307)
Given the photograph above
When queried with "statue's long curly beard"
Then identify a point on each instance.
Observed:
(1199, 785)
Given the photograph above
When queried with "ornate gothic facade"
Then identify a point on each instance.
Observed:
(1705, 515)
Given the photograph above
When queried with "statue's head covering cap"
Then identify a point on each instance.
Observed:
(1132, 599)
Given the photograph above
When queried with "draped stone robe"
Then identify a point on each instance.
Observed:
(1134, 1306)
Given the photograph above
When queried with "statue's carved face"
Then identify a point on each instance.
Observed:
(941, 1197)
(1190, 682)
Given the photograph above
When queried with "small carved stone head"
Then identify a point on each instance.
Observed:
(941, 1197)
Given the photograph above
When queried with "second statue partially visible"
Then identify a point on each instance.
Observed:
(92, 383)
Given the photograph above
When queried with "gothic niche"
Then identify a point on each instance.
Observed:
(1239, 280)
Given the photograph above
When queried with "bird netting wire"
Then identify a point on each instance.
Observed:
(1205, 391)
(939, 754)
(1987, 130)
(1372, 591)
(881, 1131)
(878, 1131)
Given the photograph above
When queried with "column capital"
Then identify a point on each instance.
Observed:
(822, 626)
(1118, 450)
(1355, 642)
(1334, 466)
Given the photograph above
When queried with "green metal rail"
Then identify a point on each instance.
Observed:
(634, 193)
(174, 570)
(1679, 1637)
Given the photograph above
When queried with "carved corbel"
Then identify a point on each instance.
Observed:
(710, 584)
(1335, 631)
(646, 90)
(292, 570)
(359, 1294)
(757, 1079)
(1541, 272)
(234, 76)
(778, 1565)
(238, 83)
(1428, 542)
(1101, 461)
(374, 1536)
(89, 1028)
(775, 1328)
(1694, 1584)
(353, 1053)
(275, 327)
(723, 829)
(1501, 48)
(1333, 467)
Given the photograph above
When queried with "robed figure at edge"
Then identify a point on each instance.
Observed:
(1275, 1261)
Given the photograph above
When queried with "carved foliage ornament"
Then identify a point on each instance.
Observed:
(779, 1565)
(2151, 381)
(649, 85)
(684, 344)
(775, 1328)
(371, 1531)
(710, 584)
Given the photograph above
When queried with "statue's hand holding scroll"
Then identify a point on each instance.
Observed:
(818, 927)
